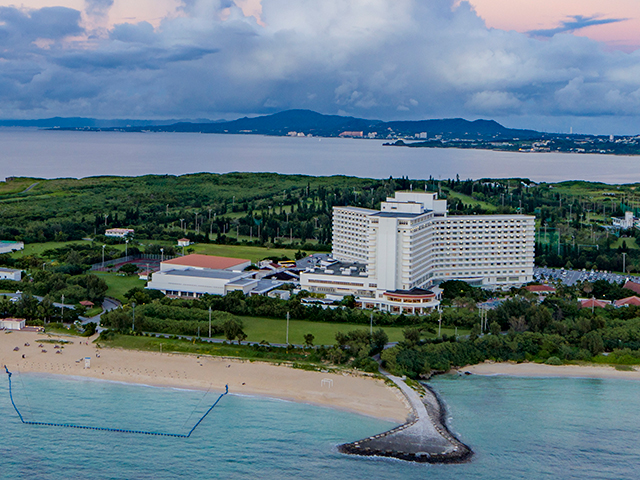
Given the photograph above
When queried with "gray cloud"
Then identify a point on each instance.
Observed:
(98, 7)
(385, 59)
(576, 23)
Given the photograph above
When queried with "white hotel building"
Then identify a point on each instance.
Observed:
(388, 257)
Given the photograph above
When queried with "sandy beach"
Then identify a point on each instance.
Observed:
(360, 394)
(541, 370)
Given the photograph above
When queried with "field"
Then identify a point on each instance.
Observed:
(120, 284)
(274, 330)
(630, 241)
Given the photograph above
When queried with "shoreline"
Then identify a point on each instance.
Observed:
(540, 370)
(350, 392)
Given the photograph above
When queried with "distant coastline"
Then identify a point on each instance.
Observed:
(528, 369)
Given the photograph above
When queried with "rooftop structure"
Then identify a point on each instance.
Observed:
(633, 286)
(626, 222)
(12, 323)
(629, 301)
(10, 274)
(8, 246)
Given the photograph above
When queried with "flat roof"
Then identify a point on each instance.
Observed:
(399, 214)
(211, 262)
(339, 269)
(357, 209)
(8, 270)
(219, 274)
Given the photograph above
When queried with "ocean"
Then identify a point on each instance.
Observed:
(54, 154)
(519, 428)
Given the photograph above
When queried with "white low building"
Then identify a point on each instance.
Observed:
(119, 232)
(10, 274)
(8, 246)
(626, 222)
(195, 275)
(12, 323)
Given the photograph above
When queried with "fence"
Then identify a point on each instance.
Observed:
(102, 267)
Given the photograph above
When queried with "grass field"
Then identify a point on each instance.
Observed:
(467, 200)
(217, 349)
(274, 331)
(119, 284)
(631, 243)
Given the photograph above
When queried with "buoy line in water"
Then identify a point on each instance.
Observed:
(107, 429)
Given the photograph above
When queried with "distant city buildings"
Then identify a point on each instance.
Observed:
(391, 257)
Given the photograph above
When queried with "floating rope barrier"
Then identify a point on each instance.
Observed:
(106, 429)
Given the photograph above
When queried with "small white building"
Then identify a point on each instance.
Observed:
(119, 232)
(7, 246)
(12, 323)
(626, 222)
(184, 242)
(10, 274)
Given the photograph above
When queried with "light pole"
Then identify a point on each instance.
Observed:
(371, 325)
(133, 324)
(62, 314)
(126, 248)
(103, 247)
(287, 328)
(162, 254)
(624, 263)
(209, 321)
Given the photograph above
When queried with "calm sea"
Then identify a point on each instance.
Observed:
(519, 428)
(53, 154)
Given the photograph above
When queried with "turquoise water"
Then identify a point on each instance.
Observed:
(519, 428)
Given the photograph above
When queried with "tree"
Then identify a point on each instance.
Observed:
(231, 328)
(308, 339)
(494, 328)
(411, 335)
(378, 341)
(128, 268)
(241, 336)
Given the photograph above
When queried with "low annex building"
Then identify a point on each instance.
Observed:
(12, 323)
(10, 274)
(7, 246)
(119, 232)
(196, 275)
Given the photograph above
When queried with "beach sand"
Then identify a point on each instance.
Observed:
(541, 370)
(355, 393)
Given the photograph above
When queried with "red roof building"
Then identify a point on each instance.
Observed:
(540, 289)
(625, 302)
(594, 303)
(633, 286)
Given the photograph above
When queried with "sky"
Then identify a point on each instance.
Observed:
(554, 65)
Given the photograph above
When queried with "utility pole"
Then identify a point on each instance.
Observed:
(103, 247)
(133, 323)
(624, 263)
(106, 215)
(440, 325)
(162, 254)
(287, 328)
(209, 321)
(371, 325)
(62, 314)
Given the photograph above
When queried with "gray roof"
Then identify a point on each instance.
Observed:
(338, 268)
(221, 274)
(399, 214)
(8, 270)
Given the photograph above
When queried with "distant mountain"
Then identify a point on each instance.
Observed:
(308, 122)
(80, 122)
(299, 122)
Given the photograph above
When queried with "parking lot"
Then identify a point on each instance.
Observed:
(570, 277)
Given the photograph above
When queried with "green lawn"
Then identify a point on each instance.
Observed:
(119, 284)
(254, 254)
(274, 330)
(467, 200)
(38, 248)
(631, 243)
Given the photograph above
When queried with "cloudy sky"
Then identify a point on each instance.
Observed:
(544, 64)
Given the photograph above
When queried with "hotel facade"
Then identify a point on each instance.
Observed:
(388, 258)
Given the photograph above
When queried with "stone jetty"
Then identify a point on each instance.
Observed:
(425, 438)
